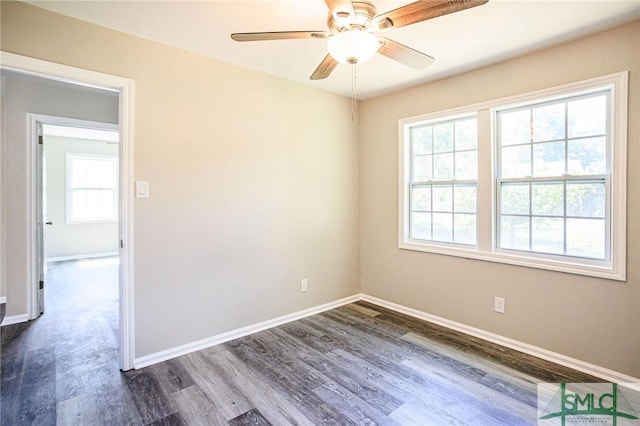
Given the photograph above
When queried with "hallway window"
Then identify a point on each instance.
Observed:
(91, 188)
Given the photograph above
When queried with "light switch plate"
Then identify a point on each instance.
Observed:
(142, 189)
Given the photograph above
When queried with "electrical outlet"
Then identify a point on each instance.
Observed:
(304, 285)
(499, 304)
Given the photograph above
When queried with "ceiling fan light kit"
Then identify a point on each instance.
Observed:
(353, 46)
(351, 25)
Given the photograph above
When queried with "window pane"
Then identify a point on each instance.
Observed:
(465, 229)
(421, 139)
(514, 232)
(514, 198)
(587, 117)
(443, 137)
(466, 134)
(93, 200)
(515, 127)
(78, 173)
(421, 199)
(421, 226)
(442, 198)
(106, 202)
(548, 122)
(516, 161)
(93, 174)
(548, 159)
(92, 204)
(547, 199)
(443, 166)
(586, 199)
(79, 203)
(106, 175)
(586, 238)
(587, 156)
(465, 199)
(547, 235)
(466, 165)
(79, 196)
(422, 168)
(443, 227)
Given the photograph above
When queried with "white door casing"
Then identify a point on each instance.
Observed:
(125, 89)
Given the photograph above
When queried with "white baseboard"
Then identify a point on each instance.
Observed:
(576, 364)
(237, 333)
(81, 256)
(14, 319)
(3, 299)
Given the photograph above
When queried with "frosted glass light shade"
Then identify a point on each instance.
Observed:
(353, 46)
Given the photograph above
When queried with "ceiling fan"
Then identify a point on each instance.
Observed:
(351, 25)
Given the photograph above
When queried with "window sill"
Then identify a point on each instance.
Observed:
(603, 270)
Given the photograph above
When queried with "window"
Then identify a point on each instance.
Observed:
(553, 177)
(444, 173)
(91, 188)
(536, 180)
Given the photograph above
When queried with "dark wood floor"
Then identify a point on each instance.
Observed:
(358, 364)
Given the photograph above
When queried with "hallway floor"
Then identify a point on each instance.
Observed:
(69, 356)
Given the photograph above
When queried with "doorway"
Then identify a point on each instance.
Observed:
(123, 88)
(77, 192)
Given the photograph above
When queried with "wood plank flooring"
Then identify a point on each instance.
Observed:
(358, 364)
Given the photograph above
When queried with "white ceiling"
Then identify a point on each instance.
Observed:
(461, 41)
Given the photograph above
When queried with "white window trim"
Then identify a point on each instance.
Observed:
(69, 156)
(486, 248)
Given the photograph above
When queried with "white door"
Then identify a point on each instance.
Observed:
(41, 217)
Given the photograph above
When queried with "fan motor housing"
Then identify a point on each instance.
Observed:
(363, 15)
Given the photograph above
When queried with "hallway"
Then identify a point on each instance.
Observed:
(68, 356)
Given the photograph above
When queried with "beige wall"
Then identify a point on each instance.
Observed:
(591, 319)
(31, 95)
(254, 182)
(75, 239)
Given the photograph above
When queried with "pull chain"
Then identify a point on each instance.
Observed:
(354, 102)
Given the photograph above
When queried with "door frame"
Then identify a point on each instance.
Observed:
(34, 151)
(125, 88)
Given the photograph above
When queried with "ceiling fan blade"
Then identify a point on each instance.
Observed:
(422, 10)
(279, 35)
(338, 7)
(404, 54)
(325, 68)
